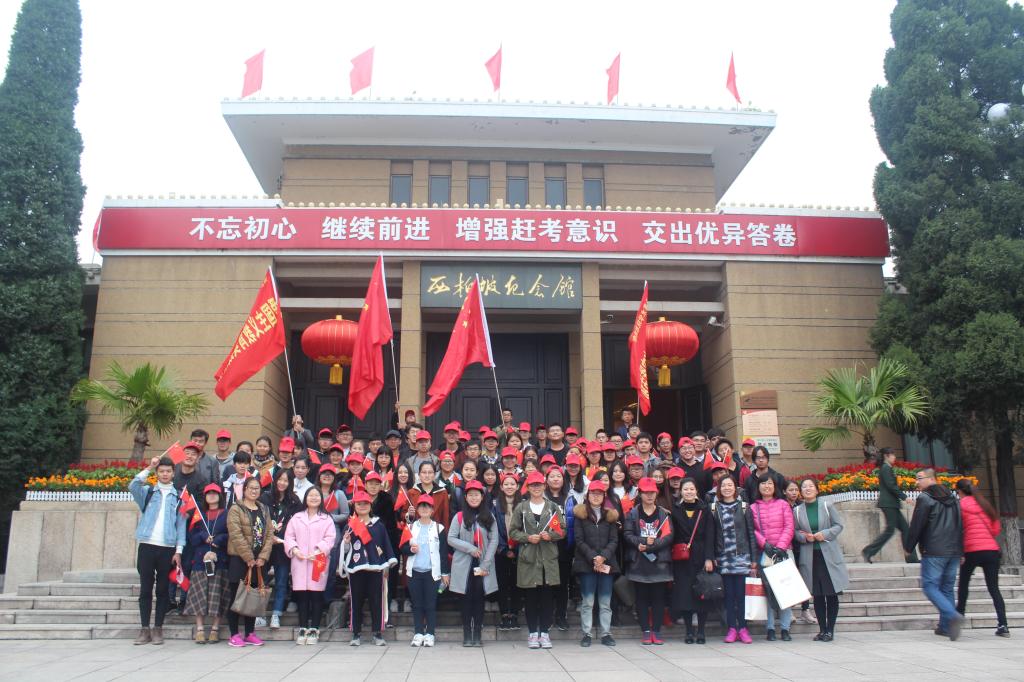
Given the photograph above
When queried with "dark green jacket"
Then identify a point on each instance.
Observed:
(889, 493)
(537, 564)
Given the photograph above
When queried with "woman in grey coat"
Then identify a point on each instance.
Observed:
(473, 537)
(818, 524)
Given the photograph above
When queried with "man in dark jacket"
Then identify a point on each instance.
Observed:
(761, 468)
(937, 527)
(889, 498)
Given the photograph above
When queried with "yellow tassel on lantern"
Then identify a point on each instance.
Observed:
(664, 376)
(337, 375)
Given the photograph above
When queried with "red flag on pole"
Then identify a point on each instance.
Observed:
(406, 537)
(613, 78)
(188, 503)
(176, 453)
(493, 66)
(366, 378)
(470, 342)
(638, 356)
(260, 341)
(96, 233)
(359, 529)
(730, 80)
(362, 71)
(253, 81)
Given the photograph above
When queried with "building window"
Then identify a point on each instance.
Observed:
(401, 189)
(479, 190)
(593, 192)
(518, 191)
(554, 191)
(440, 189)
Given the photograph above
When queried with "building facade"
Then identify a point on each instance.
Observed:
(562, 211)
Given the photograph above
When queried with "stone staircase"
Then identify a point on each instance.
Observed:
(104, 605)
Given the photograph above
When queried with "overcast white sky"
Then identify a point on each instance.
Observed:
(154, 74)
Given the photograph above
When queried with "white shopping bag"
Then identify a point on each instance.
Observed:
(788, 587)
(756, 603)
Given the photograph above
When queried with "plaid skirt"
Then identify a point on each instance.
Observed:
(207, 595)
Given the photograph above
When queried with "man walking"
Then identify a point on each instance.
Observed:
(889, 498)
(936, 526)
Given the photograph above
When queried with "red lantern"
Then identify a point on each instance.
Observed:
(669, 343)
(331, 342)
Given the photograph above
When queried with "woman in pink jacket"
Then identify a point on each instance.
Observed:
(981, 526)
(773, 528)
(308, 540)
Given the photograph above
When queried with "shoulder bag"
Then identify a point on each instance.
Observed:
(681, 550)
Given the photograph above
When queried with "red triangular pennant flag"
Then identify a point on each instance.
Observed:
(176, 453)
(406, 537)
(260, 341)
(613, 78)
(366, 378)
(187, 503)
(470, 342)
(359, 529)
(493, 66)
(361, 75)
(253, 81)
(196, 518)
(178, 576)
(638, 378)
(730, 79)
(319, 565)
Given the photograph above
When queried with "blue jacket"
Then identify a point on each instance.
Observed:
(197, 540)
(174, 523)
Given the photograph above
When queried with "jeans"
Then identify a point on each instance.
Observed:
(154, 565)
(601, 585)
(423, 594)
(785, 618)
(281, 573)
(735, 588)
(988, 560)
(938, 576)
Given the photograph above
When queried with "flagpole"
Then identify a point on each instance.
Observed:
(287, 364)
(487, 336)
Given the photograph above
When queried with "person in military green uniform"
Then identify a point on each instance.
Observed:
(889, 498)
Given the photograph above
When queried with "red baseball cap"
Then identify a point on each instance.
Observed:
(483, 428)
(541, 427)
(594, 447)
(628, 443)
(199, 448)
(344, 427)
(372, 476)
(664, 434)
(328, 469)
(473, 485)
(598, 485)
(489, 434)
(548, 459)
(749, 441)
(354, 457)
(425, 499)
(572, 458)
(685, 440)
(422, 434)
(571, 431)
(647, 485)
(634, 460)
(223, 433)
(524, 426)
(212, 488)
(715, 464)
(676, 472)
(325, 432)
(285, 444)
(509, 451)
(464, 436)
(608, 446)
(535, 477)
(361, 496)
(337, 447)
(446, 454)
(451, 426)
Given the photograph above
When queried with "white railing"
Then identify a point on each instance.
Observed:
(77, 496)
(863, 495)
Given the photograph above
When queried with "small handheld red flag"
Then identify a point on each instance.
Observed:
(361, 75)
(187, 502)
(478, 539)
(359, 529)
(265, 478)
(406, 537)
(253, 81)
(613, 78)
(314, 456)
(730, 79)
(176, 453)
(555, 525)
(331, 503)
(319, 565)
(196, 518)
(178, 577)
(493, 66)
(665, 530)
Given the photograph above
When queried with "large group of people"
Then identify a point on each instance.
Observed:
(526, 522)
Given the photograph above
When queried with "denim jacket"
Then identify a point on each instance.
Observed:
(174, 523)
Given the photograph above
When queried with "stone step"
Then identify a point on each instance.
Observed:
(898, 582)
(82, 603)
(116, 576)
(915, 593)
(62, 589)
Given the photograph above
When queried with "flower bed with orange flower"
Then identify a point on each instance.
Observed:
(109, 476)
(864, 477)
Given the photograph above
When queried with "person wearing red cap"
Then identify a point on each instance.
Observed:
(324, 440)
(595, 562)
(422, 453)
(281, 502)
(208, 576)
(336, 506)
(224, 456)
(285, 449)
(714, 474)
(504, 504)
(473, 539)
(426, 567)
(451, 438)
(540, 437)
(732, 551)
(558, 492)
(525, 432)
(308, 541)
(572, 435)
(610, 452)
(366, 555)
(556, 446)
(593, 458)
(546, 462)
(689, 550)
(691, 466)
(575, 480)
(250, 541)
(647, 532)
(747, 449)
(490, 440)
(665, 447)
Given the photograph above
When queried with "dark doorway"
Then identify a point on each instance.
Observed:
(533, 375)
(325, 406)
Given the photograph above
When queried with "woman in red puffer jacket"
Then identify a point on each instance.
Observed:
(773, 528)
(981, 526)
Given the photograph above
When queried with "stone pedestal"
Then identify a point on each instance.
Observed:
(863, 521)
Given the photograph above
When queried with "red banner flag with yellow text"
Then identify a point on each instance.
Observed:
(260, 341)
(638, 356)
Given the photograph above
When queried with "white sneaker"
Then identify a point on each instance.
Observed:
(379, 641)
(417, 640)
(275, 621)
(428, 640)
(533, 642)
(394, 606)
(292, 607)
(545, 641)
(408, 606)
(355, 641)
(261, 622)
(301, 637)
(313, 636)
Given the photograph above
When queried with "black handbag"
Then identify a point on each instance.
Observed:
(708, 587)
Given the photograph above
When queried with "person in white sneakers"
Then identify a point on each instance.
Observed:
(308, 540)
(426, 547)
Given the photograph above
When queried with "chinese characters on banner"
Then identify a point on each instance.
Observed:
(260, 340)
(444, 285)
(377, 229)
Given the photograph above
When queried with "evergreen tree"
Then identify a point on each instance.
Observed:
(40, 280)
(953, 195)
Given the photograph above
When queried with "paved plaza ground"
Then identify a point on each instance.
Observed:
(978, 655)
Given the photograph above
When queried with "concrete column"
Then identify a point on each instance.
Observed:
(574, 184)
(410, 371)
(575, 381)
(536, 175)
(460, 183)
(420, 178)
(590, 351)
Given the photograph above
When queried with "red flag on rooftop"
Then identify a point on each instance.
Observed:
(470, 342)
(253, 81)
(638, 356)
(730, 79)
(96, 233)
(361, 75)
(260, 341)
(613, 78)
(366, 379)
(493, 66)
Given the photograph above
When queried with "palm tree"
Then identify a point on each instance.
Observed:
(145, 400)
(853, 404)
